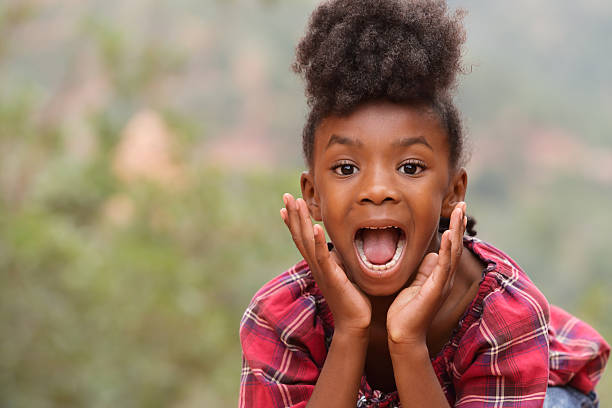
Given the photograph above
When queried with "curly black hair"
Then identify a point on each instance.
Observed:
(403, 51)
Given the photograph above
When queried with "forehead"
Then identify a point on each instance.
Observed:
(382, 125)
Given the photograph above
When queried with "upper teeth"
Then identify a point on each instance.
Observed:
(398, 252)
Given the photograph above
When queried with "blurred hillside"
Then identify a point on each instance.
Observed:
(145, 145)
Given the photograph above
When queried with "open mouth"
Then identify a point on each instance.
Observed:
(380, 248)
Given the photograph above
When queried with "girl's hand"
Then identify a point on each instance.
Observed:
(410, 315)
(349, 305)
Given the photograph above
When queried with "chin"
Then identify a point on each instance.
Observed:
(380, 291)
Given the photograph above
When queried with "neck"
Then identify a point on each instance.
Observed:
(380, 306)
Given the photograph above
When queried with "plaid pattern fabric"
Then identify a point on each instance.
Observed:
(498, 356)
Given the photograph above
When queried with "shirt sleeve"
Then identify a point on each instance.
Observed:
(283, 350)
(578, 353)
(502, 360)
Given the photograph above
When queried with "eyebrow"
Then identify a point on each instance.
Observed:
(404, 142)
(409, 141)
(343, 140)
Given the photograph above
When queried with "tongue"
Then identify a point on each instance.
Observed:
(379, 245)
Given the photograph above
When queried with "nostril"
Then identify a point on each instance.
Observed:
(371, 201)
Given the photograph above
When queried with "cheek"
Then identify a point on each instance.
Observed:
(329, 215)
(428, 209)
(331, 202)
(429, 193)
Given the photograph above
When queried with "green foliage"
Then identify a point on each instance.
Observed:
(12, 15)
(118, 293)
(134, 315)
(133, 68)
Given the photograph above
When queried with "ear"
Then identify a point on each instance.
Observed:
(456, 192)
(310, 195)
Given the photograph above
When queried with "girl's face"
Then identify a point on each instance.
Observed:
(380, 181)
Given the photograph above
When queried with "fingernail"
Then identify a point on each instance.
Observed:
(285, 199)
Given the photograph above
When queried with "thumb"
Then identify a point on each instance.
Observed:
(427, 266)
(327, 260)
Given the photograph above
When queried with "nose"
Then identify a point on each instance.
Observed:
(378, 187)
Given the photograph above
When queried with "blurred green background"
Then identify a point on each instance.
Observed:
(145, 145)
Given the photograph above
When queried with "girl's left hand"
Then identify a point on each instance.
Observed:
(410, 315)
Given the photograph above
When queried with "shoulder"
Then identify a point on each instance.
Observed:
(502, 355)
(507, 289)
(289, 309)
(283, 337)
(294, 282)
(509, 311)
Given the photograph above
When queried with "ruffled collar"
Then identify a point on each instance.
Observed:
(376, 398)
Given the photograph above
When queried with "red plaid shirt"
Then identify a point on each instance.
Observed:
(509, 345)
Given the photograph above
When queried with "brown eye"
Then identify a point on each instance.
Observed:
(411, 168)
(345, 169)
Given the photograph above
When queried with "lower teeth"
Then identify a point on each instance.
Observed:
(388, 265)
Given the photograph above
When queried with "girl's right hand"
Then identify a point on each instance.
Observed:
(350, 307)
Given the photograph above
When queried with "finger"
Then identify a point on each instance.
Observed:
(335, 259)
(463, 218)
(284, 213)
(322, 254)
(439, 276)
(308, 239)
(328, 260)
(457, 235)
(433, 288)
(457, 228)
(330, 270)
(293, 223)
(426, 268)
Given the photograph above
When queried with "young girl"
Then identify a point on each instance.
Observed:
(400, 306)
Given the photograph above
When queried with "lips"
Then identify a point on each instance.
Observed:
(380, 247)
